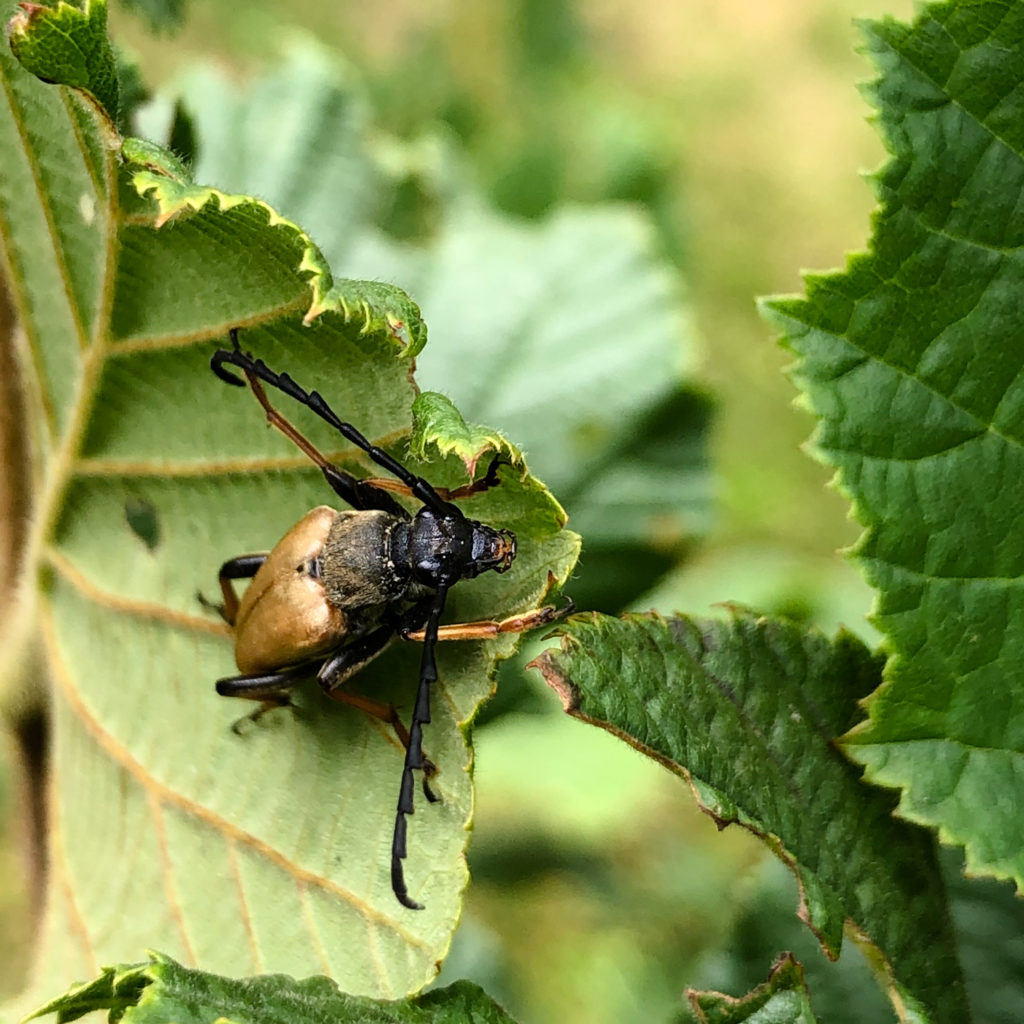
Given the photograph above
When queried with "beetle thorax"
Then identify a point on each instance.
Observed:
(449, 548)
(363, 561)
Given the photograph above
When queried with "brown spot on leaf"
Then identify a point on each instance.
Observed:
(566, 689)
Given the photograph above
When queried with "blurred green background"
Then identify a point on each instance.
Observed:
(599, 891)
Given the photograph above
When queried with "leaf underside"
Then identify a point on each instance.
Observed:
(267, 850)
(582, 361)
(746, 711)
(911, 358)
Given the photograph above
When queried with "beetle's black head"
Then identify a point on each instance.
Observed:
(492, 549)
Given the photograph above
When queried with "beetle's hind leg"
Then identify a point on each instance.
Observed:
(269, 690)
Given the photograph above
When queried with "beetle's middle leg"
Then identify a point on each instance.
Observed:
(345, 664)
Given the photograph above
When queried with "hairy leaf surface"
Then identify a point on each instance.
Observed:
(163, 990)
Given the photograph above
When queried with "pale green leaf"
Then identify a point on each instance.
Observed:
(570, 333)
(268, 849)
(438, 422)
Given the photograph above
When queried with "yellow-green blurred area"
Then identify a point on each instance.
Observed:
(600, 892)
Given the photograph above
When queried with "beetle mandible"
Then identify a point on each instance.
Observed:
(340, 586)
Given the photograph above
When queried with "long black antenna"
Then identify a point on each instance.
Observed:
(418, 487)
(414, 752)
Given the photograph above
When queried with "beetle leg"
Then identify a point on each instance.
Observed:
(485, 483)
(487, 628)
(240, 568)
(360, 494)
(343, 665)
(267, 689)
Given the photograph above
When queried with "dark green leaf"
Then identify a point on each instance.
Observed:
(912, 360)
(843, 992)
(989, 921)
(782, 999)
(163, 991)
(746, 711)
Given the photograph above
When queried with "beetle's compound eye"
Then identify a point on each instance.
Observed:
(503, 550)
(507, 552)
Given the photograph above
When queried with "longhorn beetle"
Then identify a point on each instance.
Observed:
(340, 586)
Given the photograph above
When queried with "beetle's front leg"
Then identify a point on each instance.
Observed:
(485, 483)
(484, 629)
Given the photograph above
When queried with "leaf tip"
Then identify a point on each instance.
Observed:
(568, 692)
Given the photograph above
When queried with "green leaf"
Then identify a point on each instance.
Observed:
(782, 999)
(439, 423)
(583, 361)
(746, 711)
(989, 921)
(911, 360)
(269, 849)
(68, 45)
(843, 992)
(163, 990)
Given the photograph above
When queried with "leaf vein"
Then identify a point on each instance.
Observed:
(130, 605)
(55, 248)
(243, 905)
(170, 889)
(121, 756)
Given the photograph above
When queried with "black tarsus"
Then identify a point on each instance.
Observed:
(349, 659)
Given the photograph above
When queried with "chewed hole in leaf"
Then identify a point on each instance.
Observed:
(143, 521)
